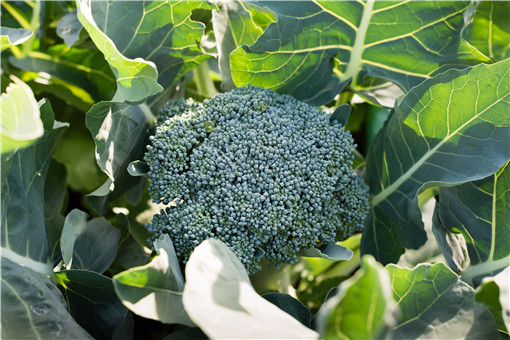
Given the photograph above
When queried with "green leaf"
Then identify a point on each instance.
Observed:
(162, 33)
(20, 117)
(96, 248)
(434, 303)
(341, 114)
(136, 78)
(33, 308)
(489, 31)
(330, 251)
(13, 36)
(218, 288)
(290, 306)
(84, 68)
(234, 25)
(23, 231)
(494, 292)
(74, 225)
(55, 191)
(447, 130)
(316, 47)
(362, 309)
(92, 302)
(480, 212)
(121, 133)
(154, 291)
(69, 28)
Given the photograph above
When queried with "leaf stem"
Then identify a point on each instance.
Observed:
(40, 267)
(203, 81)
(34, 25)
(482, 268)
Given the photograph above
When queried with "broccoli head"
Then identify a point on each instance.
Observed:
(262, 172)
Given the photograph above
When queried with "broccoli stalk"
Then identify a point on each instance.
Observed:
(262, 172)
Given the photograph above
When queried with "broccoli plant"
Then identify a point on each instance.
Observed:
(262, 172)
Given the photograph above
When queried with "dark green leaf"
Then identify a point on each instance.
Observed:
(218, 288)
(33, 308)
(138, 168)
(489, 31)
(480, 212)
(316, 47)
(23, 234)
(188, 334)
(92, 302)
(54, 194)
(96, 248)
(445, 131)
(341, 114)
(434, 303)
(121, 132)
(290, 306)
(154, 291)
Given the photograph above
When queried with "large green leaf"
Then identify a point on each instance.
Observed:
(161, 32)
(480, 212)
(434, 303)
(84, 68)
(290, 306)
(448, 130)
(55, 191)
(234, 25)
(23, 231)
(316, 47)
(494, 292)
(121, 132)
(13, 36)
(489, 31)
(363, 308)
(154, 291)
(96, 247)
(136, 78)
(219, 298)
(33, 308)
(20, 117)
(92, 301)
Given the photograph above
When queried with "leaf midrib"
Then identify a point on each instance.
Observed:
(408, 174)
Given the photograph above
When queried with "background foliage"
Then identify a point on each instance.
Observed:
(428, 86)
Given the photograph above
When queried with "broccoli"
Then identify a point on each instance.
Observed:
(262, 172)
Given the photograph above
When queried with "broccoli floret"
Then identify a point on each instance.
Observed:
(262, 172)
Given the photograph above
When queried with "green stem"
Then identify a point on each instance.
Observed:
(203, 81)
(34, 25)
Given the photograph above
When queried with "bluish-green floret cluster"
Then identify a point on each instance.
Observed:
(262, 172)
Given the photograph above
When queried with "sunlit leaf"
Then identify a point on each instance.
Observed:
(448, 130)
(219, 298)
(13, 36)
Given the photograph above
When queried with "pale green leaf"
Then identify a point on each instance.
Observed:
(13, 36)
(136, 78)
(363, 307)
(219, 298)
(20, 116)
(154, 291)
(74, 225)
(494, 292)
(448, 130)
